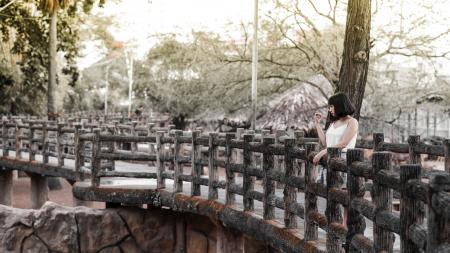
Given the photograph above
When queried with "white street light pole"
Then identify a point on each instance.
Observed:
(255, 65)
(106, 89)
(129, 61)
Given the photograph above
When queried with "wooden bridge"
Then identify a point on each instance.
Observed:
(262, 184)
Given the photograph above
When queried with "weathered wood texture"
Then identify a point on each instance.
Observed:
(275, 161)
(333, 210)
(269, 184)
(355, 187)
(382, 198)
(411, 210)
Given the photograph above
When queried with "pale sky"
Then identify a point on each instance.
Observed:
(140, 19)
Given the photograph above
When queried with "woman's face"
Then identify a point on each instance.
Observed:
(332, 111)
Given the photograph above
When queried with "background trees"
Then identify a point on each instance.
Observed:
(24, 31)
(206, 74)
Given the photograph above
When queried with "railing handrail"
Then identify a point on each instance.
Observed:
(104, 140)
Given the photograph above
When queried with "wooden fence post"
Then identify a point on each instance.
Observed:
(438, 214)
(134, 146)
(382, 197)
(151, 147)
(411, 210)
(278, 162)
(196, 168)
(248, 181)
(31, 144)
(117, 131)
(268, 183)
(44, 142)
(95, 161)
(414, 158)
(290, 192)
(333, 210)
(299, 140)
(311, 227)
(161, 181)
(79, 152)
(230, 179)
(447, 155)
(178, 167)
(212, 168)
(18, 135)
(5, 138)
(237, 152)
(59, 145)
(112, 148)
(355, 188)
(378, 140)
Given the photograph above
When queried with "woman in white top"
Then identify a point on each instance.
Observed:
(343, 128)
(341, 132)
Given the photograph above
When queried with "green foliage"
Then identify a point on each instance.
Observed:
(27, 31)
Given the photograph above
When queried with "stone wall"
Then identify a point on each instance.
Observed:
(59, 229)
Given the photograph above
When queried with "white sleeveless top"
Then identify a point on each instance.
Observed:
(334, 135)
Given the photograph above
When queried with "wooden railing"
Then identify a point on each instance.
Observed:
(259, 157)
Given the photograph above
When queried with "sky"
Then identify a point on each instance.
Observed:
(140, 19)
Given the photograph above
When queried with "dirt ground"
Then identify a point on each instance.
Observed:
(21, 194)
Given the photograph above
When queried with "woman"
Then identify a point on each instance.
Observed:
(340, 133)
(343, 129)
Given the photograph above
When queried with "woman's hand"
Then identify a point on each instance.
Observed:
(318, 117)
(319, 156)
(316, 159)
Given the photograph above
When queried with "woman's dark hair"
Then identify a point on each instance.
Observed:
(342, 106)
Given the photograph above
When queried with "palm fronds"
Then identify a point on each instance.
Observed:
(52, 6)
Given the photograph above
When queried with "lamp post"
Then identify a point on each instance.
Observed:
(129, 61)
(106, 88)
(255, 65)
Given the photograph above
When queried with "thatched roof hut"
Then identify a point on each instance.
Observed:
(295, 107)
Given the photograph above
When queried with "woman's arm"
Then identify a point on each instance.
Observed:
(320, 133)
(319, 156)
(349, 133)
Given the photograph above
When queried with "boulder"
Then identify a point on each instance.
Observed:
(130, 245)
(152, 229)
(99, 229)
(13, 237)
(33, 245)
(114, 249)
(56, 227)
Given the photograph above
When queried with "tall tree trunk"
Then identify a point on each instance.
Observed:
(51, 108)
(355, 60)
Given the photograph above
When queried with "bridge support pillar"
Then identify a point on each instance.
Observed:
(6, 183)
(39, 190)
(229, 240)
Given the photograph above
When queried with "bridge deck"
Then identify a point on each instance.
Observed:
(144, 191)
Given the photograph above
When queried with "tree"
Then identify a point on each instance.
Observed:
(52, 7)
(355, 60)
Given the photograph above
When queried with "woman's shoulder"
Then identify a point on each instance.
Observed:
(352, 121)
